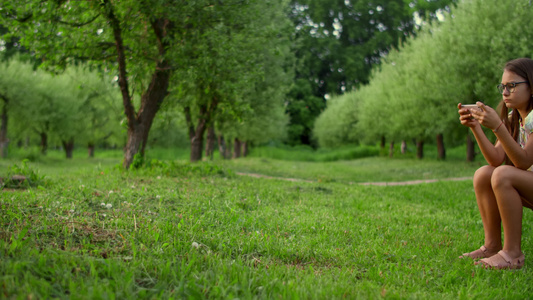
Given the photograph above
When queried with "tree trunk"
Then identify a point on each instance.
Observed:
(244, 149)
(90, 147)
(210, 144)
(391, 149)
(44, 142)
(222, 147)
(196, 134)
(197, 143)
(3, 131)
(236, 148)
(134, 144)
(440, 147)
(420, 149)
(470, 151)
(69, 147)
(139, 123)
(228, 151)
(404, 147)
(382, 143)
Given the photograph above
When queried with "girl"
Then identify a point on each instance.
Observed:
(503, 190)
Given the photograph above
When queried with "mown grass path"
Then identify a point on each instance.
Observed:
(410, 182)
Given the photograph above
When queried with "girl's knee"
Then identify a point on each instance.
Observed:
(502, 176)
(483, 176)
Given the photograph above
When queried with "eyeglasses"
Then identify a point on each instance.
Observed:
(510, 86)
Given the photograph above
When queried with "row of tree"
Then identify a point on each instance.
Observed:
(220, 63)
(76, 105)
(237, 69)
(415, 92)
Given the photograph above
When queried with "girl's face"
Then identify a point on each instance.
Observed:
(519, 99)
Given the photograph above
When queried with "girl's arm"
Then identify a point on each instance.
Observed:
(521, 158)
(494, 154)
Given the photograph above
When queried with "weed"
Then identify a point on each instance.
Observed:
(22, 176)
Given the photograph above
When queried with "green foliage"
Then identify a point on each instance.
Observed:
(21, 176)
(415, 92)
(339, 42)
(138, 161)
(327, 131)
(174, 168)
(77, 104)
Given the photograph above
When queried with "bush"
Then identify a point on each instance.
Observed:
(181, 169)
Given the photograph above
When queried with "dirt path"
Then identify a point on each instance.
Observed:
(383, 183)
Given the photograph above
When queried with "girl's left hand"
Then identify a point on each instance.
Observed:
(487, 117)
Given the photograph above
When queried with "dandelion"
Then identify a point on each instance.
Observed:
(110, 192)
(102, 204)
(104, 215)
(158, 197)
(109, 205)
(195, 245)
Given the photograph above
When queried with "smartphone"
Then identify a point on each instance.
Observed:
(470, 106)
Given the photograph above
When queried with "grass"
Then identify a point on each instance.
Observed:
(182, 231)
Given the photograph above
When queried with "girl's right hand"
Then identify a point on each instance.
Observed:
(466, 117)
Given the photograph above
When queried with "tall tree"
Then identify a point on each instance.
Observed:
(228, 62)
(339, 42)
(132, 37)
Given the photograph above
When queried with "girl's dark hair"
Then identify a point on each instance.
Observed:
(522, 67)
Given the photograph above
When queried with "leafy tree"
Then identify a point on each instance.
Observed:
(131, 37)
(229, 62)
(15, 75)
(326, 129)
(340, 41)
(99, 106)
(264, 118)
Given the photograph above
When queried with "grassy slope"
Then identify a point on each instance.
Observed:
(207, 235)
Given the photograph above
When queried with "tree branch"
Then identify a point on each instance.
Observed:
(77, 24)
(122, 77)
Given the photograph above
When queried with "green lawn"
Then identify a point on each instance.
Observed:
(202, 231)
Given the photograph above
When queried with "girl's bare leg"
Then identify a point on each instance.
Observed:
(510, 186)
(488, 208)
